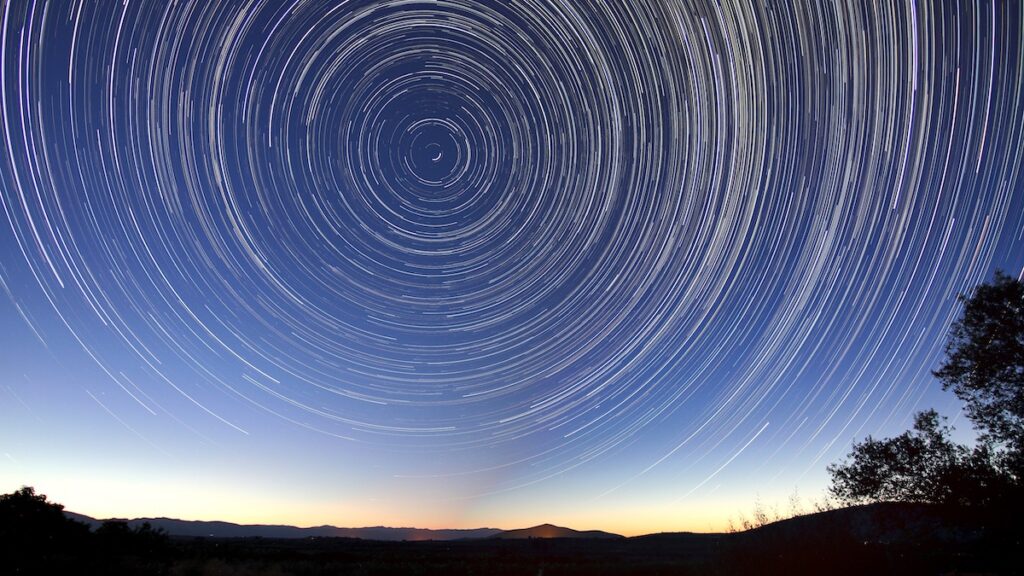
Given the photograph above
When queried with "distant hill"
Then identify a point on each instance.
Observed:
(214, 529)
(552, 531)
(883, 523)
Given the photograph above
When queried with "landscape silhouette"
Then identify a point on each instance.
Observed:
(917, 503)
(511, 287)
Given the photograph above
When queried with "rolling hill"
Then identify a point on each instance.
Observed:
(216, 529)
(552, 531)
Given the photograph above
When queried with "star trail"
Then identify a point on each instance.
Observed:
(514, 259)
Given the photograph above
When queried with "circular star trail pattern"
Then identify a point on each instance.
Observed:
(553, 226)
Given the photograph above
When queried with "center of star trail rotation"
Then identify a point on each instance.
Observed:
(555, 229)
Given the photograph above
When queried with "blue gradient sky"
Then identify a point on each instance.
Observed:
(628, 266)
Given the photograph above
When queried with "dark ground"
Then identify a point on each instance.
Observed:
(669, 554)
(879, 539)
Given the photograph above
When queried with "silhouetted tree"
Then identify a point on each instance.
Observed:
(35, 534)
(915, 466)
(984, 366)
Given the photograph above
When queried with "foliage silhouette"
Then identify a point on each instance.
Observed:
(917, 466)
(35, 533)
(979, 487)
(118, 537)
(984, 366)
(36, 537)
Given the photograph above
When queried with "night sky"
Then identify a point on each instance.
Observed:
(620, 265)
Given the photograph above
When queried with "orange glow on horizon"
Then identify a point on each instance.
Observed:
(103, 499)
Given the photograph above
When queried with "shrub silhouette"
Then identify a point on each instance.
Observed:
(116, 536)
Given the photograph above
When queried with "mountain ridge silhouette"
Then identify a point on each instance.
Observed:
(552, 531)
(887, 522)
(222, 529)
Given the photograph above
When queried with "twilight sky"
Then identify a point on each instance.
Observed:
(618, 265)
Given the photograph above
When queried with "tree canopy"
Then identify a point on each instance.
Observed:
(984, 366)
(912, 467)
